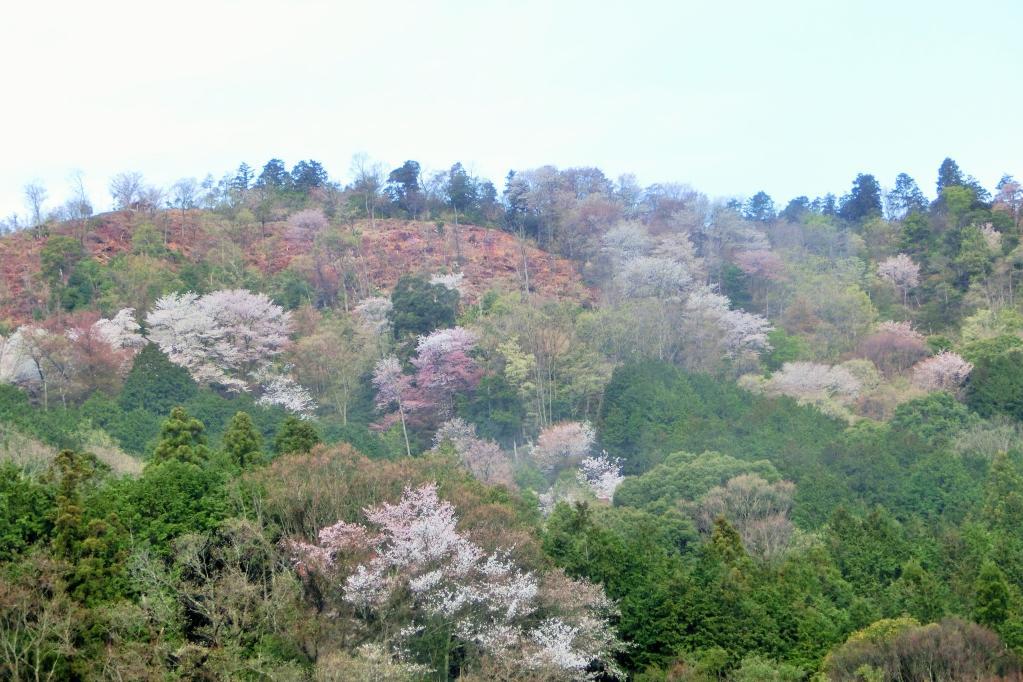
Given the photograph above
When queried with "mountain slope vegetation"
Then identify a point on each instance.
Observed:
(279, 427)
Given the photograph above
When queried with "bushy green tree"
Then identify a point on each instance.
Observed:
(296, 435)
(996, 382)
(242, 443)
(419, 307)
(155, 383)
(991, 601)
(181, 440)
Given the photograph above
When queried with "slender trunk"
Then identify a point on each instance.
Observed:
(404, 429)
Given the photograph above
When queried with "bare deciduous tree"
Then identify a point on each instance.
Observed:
(35, 197)
(126, 189)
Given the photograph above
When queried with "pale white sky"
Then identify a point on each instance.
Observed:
(792, 96)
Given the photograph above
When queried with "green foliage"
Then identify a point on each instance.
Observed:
(685, 477)
(242, 443)
(419, 307)
(996, 382)
(170, 499)
(651, 409)
(26, 511)
(181, 440)
(155, 383)
(869, 551)
(496, 408)
(759, 669)
(933, 420)
(991, 606)
(58, 257)
(784, 348)
(296, 435)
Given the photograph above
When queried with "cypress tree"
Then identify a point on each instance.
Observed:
(992, 596)
(295, 435)
(182, 439)
(242, 443)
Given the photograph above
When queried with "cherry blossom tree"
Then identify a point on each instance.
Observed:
(412, 563)
(451, 281)
(283, 391)
(810, 381)
(305, 225)
(120, 331)
(901, 272)
(372, 312)
(602, 474)
(394, 395)
(483, 458)
(992, 237)
(764, 267)
(13, 359)
(222, 337)
(653, 276)
(626, 241)
(228, 338)
(713, 330)
(445, 368)
(563, 445)
(946, 371)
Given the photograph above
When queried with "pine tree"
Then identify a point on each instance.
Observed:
(295, 435)
(182, 439)
(242, 443)
(949, 175)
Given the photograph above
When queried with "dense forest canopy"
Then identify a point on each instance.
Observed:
(422, 426)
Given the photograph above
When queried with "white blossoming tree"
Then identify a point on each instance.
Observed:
(901, 272)
(229, 338)
(120, 331)
(411, 574)
(946, 371)
(563, 445)
(483, 458)
(602, 474)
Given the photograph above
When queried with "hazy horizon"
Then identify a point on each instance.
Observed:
(791, 98)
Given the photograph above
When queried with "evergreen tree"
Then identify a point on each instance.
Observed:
(796, 209)
(307, 175)
(949, 175)
(273, 176)
(156, 384)
(991, 604)
(242, 178)
(462, 190)
(1003, 495)
(181, 439)
(242, 442)
(863, 201)
(296, 435)
(419, 307)
(759, 208)
(726, 543)
(403, 187)
(906, 198)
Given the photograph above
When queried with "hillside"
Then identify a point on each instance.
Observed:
(388, 249)
(594, 432)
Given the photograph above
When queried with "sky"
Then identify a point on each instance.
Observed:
(792, 97)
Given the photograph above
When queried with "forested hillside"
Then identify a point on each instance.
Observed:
(416, 427)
